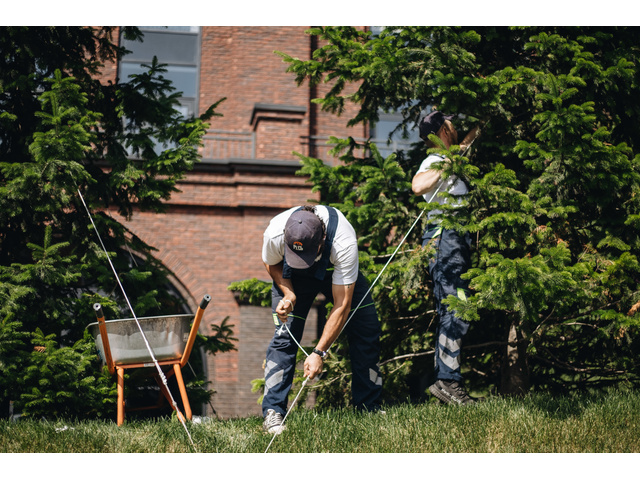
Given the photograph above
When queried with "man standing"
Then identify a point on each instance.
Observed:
(451, 260)
(306, 251)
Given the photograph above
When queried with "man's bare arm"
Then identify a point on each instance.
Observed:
(342, 296)
(285, 306)
(424, 181)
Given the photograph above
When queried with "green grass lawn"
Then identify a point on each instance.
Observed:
(604, 423)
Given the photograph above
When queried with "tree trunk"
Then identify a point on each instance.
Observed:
(515, 369)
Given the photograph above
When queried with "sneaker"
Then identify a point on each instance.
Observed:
(450, 392)
(273, 422)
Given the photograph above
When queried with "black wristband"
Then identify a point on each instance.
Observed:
(320, 352)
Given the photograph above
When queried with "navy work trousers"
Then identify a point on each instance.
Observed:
(452, 258)
(363, 335)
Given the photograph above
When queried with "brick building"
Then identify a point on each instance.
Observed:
(211, 234)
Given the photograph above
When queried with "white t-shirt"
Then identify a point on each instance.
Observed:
(344, 252)
(452, 185)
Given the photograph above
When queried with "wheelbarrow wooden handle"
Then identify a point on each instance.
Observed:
(105, 337)
(194, 330)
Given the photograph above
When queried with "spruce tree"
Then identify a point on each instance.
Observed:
(66, 137)
(553, 208)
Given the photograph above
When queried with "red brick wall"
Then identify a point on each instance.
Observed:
(210, 237)
(239, 63)
(212, 233)
(110, 69)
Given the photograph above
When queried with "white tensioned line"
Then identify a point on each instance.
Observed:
(306, 379)
(115, 273)
(284, 324)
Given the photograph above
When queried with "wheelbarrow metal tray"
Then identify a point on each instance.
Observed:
(167, 337)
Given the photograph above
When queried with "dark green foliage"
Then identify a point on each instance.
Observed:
(252, 291)
(64, 382)
(62, 133)
(554, 203)
(222, 339)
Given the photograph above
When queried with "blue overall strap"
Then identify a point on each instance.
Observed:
(286, 269)
(321, 266)
(323, 263)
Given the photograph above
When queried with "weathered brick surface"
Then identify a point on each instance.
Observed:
(212, 232)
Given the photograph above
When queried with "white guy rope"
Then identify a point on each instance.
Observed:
(306, 379)
(115, 273)
(294, 338)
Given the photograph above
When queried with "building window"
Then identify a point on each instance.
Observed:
(387, 143)
(382, 131)
(179, 49)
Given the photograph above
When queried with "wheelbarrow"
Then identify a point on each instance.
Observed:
(121, 346)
